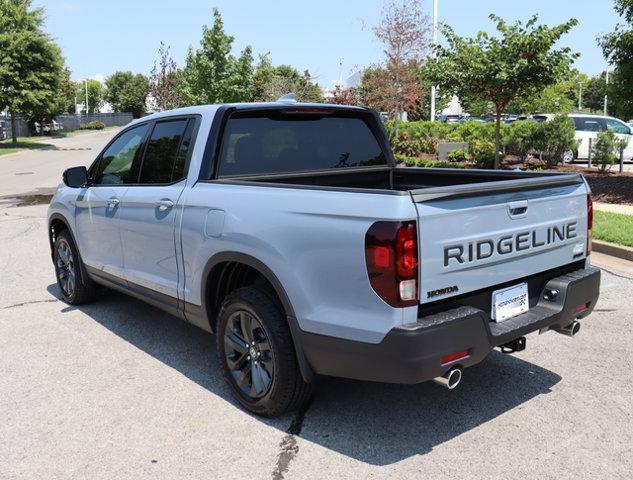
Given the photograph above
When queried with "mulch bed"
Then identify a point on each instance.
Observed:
(610, 187)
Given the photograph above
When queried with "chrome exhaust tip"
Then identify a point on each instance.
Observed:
(450, 379)
(570, 330)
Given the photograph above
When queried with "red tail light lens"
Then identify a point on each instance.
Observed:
(391, 254)
(589, 223)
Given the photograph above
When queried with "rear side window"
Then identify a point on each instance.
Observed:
(297, 142)
(166, 152)
(588, 124)
(617, 127)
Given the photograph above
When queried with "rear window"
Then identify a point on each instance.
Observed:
(297, 142)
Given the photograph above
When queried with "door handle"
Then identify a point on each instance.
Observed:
(112, 202)
(164, 205)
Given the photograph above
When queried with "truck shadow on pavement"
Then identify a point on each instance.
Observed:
(379, 424)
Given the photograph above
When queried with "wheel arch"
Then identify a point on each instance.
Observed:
(57, 223)
(219, 269)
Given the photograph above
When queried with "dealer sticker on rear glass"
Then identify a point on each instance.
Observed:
(509, 302)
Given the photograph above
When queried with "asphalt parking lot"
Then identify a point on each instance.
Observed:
(118, 389)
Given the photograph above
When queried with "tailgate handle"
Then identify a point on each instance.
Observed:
(518, 209)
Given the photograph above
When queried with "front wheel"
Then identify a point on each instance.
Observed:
(257, 355)
(74, 284)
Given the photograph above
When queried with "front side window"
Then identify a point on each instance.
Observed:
(115, 165)
(162, 153)
(617, 127)
(275, 143)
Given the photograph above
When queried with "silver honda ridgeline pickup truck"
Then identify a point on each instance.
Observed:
(288, 231)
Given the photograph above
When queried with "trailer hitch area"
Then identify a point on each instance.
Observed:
(516, 345)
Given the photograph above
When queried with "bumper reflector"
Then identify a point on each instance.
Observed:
(580, 308)
(455, 356)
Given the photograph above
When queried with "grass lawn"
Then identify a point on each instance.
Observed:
(24, 143)
(613, 227)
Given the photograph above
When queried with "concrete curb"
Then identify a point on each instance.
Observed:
(619, 251)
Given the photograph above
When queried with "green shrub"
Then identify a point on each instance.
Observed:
(93, 125)
(483, 153)
(459, 155)
(439, 164)
(606, 150)
(554, 138)
(519, 138)
(421, 162)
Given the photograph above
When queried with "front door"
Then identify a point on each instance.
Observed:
(150, 210)
(98, 206)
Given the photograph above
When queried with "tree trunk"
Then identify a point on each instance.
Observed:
(14, 132)
(497, 138)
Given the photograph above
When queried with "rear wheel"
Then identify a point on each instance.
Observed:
(257, 355)
(569, 156)
(72, 280)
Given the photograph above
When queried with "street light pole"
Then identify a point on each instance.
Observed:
(579, 96)
(340, 72)
(606, 100)
(434, 88)
(86, 81)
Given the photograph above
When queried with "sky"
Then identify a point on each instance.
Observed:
(101, 37)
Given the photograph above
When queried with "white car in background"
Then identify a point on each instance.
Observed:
(587, 127)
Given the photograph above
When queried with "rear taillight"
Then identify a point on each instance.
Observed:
(391, 254)
(589, 223)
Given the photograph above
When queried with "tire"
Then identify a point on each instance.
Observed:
(265, 376)
(71, 275)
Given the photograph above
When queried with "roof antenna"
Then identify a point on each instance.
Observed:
(288, 98)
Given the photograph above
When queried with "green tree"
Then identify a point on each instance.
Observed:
(520, 62)
(212, 74)
(96, 95)
(127, 92)
(66, 93)
(594, 92)
(618, 49)
(270, 83)
(557, 98)
(30, 62)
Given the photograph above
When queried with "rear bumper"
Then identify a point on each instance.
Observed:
(412, 353)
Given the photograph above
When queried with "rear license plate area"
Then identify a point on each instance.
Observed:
(509, 302)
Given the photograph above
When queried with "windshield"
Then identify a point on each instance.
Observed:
(275, 143)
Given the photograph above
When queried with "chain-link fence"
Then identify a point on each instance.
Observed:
(68, 123)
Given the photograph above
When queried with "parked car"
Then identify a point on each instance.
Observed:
(48, 128)
(450, 118)
(288, 230)
(588, 126)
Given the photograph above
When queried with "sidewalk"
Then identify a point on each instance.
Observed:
(614, 208)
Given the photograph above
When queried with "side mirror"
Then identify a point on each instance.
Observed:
(75, 177)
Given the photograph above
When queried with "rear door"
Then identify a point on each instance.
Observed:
(149, 209)
(468, 244)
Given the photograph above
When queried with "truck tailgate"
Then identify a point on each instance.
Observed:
(469, 243)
